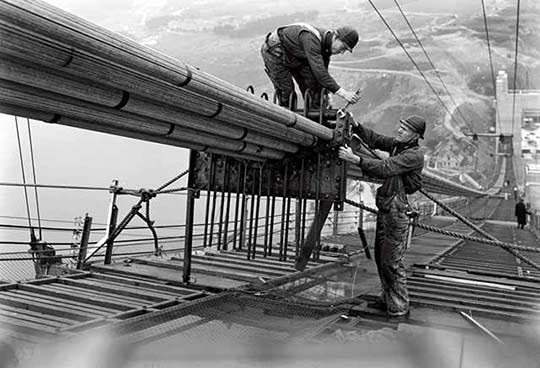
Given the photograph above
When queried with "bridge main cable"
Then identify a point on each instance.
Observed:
(431, 182)
(55, 63)
(61, 69)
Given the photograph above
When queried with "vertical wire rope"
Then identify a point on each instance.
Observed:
(412, 60)
(515, 66)
(34, 176)
(22, 172)
(497, 119)
(431, 63)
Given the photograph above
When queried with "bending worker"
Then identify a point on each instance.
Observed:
(302, 52)
(401, 175)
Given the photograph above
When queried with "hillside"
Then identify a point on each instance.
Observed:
(224, 40)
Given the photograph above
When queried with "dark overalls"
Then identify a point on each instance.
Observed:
(301, 52)
(401, 174)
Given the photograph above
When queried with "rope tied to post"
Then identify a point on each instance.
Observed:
(512, 248)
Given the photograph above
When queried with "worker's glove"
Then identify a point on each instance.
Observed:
(343, 112)
(346, 153)
(329, 101)
(350, 97)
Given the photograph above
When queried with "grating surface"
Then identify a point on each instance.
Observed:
(505, 299)
(33, 310)
(482, 278)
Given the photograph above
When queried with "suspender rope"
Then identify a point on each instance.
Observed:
(34, 176)
(22, 172)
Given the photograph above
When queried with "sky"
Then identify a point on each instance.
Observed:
(69, 156)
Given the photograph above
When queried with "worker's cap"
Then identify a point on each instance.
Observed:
(416, 123)
(348, 36)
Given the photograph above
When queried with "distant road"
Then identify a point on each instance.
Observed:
(392, 53)
(390, 10)
(387, 71)
(454, 130)
(455, 90)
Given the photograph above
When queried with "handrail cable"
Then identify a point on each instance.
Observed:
(431, 63)
(47, 220)
(412, 60)
(22, 172)
(34, 175)
(515, 65)
(131, 241)
(491, 240)
(96, 230)
(52, 186)
(64, 229)
(497, 118)
(511, 249)
(78, 187)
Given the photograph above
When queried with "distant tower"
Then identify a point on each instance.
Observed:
(502, 85)
(513, 107)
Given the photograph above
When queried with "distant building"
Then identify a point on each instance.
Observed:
(444, 156)
(449, 162)
(526, 113)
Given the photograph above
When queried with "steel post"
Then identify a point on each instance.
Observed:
(188, 236)
(84, 241)
(111, 223)
(257, 209)
(313, 234)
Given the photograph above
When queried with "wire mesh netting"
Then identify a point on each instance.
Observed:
(239, 329)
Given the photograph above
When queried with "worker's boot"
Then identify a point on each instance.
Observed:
(399, 318)
(379, 305)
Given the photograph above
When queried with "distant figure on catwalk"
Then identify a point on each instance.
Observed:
(521, 213)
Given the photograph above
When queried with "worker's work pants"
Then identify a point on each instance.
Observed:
(282, 76)
(390, 247)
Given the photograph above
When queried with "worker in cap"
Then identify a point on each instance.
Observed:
(400, 173)
(415, 124)
(303, 52)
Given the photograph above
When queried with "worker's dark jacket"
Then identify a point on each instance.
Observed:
(521, 213)
(302, 46)
(400, 172)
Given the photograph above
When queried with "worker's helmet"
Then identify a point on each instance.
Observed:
(348, 36)
(416, 123)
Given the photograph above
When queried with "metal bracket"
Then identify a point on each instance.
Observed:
(313, 173)
(319, 175)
